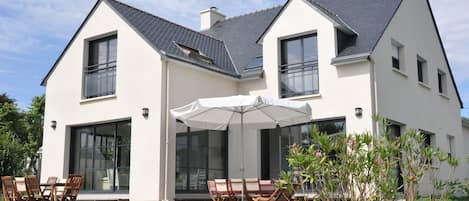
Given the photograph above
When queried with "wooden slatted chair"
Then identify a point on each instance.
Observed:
(21, 186)
(33, 189)
(280, 194)
(47, 190)
(71, 188)
(223, 192)
(212, 190)
(236, 188)
(10, 192)
(267, 187)
(252, 188)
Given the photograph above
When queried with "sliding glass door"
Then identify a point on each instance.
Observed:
(275, 143)
(101, 153)
(200, 156)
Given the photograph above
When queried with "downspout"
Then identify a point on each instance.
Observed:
(374, 97)
(165, 198)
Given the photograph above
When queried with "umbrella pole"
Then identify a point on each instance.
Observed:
(242, 152)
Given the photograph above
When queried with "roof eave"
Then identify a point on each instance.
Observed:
(204, 66)
(350, 59)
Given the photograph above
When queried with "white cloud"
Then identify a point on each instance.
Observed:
(453, 22)
(27, 27)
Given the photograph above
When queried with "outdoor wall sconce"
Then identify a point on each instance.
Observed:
(53, 124)
(145, 112)
(358, 111)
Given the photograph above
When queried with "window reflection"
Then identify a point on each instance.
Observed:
(102, 154)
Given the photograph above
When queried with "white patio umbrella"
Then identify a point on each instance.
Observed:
(244, 111)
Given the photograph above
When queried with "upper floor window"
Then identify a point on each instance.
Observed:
(442, 82)
(299, 66)
(422, 70)
(396, 53)
(100, 73)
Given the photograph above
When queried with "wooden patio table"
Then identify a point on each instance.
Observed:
(53, 192)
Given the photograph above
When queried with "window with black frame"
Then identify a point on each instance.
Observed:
(101, 153)
(275, 143)
(100, 73)
(299, 66)
(201, 155)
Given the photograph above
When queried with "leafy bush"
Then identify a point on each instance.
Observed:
(364, 167)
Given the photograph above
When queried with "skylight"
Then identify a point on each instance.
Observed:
(195, 54)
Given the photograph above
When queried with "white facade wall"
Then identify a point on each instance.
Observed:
(145, 79)
(186, 84)
(138, 85)
(341, 88)
(400, 96)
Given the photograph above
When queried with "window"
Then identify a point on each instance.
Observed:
(429, 140)
(396, 53)
(102, 154)
(100, 73)
(200, 156)
(275, 143)
(395, 132)
(451, 146)
(299, 66)
(441, 82)
(422, 70)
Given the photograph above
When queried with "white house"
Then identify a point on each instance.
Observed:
(109, 93)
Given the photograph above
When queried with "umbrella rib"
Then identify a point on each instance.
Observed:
(276, 122)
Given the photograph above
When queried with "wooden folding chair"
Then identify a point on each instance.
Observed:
(236, 188)
(21, 186)
(10, 191)
(212, 190)
(47, 190)
(267, 187)
(222, 189)
(252, 188)
(71, 188)
(273, 197)
(33, 189)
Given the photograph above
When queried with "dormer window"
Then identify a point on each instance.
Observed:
(195, 54)
(100, 73)
(299, 66)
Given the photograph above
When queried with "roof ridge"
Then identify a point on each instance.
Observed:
(166, 20)
(251, 13)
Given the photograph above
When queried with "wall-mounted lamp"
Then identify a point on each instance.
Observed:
(53, 124)
(358, 111)
(145, 112)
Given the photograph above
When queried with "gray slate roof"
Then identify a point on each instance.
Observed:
(164, 35)
(369, 18)
(241, 33)
(232, 43)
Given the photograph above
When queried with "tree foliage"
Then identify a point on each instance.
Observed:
(20, 135)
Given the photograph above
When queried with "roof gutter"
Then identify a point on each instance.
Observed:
(244, 76)
(356, 58)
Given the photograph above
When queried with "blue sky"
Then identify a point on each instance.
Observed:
(33, 34)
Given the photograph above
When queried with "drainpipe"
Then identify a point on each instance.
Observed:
(374, 96)
(166, 160)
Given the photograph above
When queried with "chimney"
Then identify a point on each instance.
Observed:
(209, 17)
